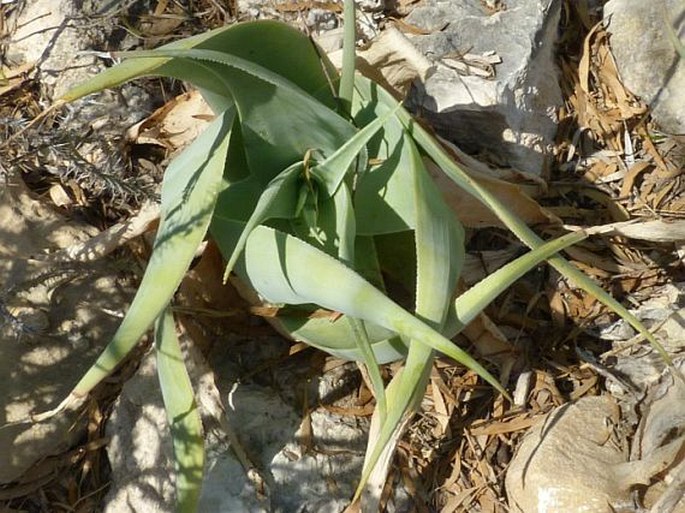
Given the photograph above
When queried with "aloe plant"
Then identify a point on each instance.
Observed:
(301, 188)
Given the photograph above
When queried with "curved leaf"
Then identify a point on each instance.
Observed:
(183, 415)
(190, 188)
(335, 337)
(279, 120)
(273, 45)
(335, 228)
(439, 242)
(332, 171)
(285, 269)
(383, 202)
(278, 200)
(473, 301)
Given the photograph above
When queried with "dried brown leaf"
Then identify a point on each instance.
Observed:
(393, 61)
(474, 214)
(174, 125)
(629, 180)
(491, 343)
(492, 428)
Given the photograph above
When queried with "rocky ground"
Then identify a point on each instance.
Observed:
(538, 93)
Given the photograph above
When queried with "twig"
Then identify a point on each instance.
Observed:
(114, 237)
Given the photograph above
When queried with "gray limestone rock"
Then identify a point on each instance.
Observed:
(65, 42)
(646, 57)
(494, 89)
(586, 443)
(261, 425)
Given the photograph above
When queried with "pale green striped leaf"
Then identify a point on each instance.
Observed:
(287, 270)
(189, 191)
(510, 220)
(182, 413)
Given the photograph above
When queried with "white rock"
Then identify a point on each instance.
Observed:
(576, 459)
(647, 60)
(510, 115)
(566, 461)
(267, 428)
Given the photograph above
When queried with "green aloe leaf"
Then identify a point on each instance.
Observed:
(383, 203)
(370, 92)
(342, 223)
(282, 116)
(277, 200)
(267, 43)
(331, 171)
(439, 243)
(335, 228)
(363, 343)
(191, 185)
(334, 336)
(473, 301)
(287, 270)
(183, 415)
(262, 98)
(349, 55)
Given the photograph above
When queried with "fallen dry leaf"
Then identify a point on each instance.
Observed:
(13, 78)
(473, 214)
(393, 61)
(174, 125)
